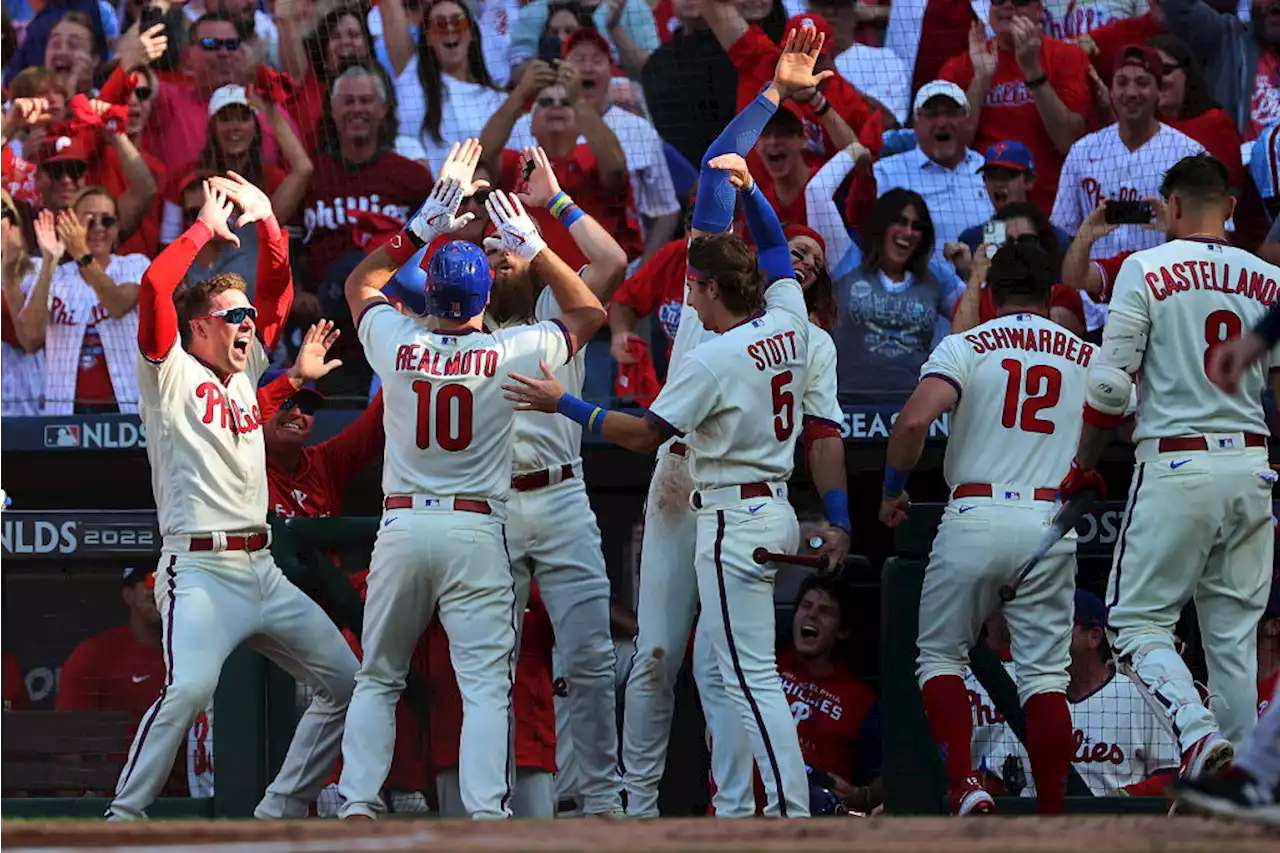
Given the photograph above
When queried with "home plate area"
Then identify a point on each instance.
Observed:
(1104, 834)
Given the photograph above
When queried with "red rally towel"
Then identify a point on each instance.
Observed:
(638, 381)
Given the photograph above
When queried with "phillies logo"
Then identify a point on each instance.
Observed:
(1093, 192)
(801, 711)
(1097, 753)
(229, 415)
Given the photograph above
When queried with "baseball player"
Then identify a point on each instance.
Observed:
(446, 477)
(668, 597)
(217, 584)
(564, 557)
(1199, 516)
(1015, 383)
(743, 451)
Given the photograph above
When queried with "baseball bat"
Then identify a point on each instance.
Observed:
(821, 562)
(1067, 518)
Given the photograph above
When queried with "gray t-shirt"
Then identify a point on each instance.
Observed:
(884, 330)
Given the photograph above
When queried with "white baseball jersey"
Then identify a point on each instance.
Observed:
(992, 738)
(1100, 166)
(820, 401)
(549, 440)
(1021, 381)
(1119, 741)
(449, 428)
(1189, 296)
(738, 391)
(204, 442)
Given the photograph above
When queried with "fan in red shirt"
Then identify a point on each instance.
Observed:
(533, 704)
(1104, 43)
(1027, 87)
(309, 481)
(657, 287)
(122, 669)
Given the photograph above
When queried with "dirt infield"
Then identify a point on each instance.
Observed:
(891, 835)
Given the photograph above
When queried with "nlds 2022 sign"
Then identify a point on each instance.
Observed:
(36, 535)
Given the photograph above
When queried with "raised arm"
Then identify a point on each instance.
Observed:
(606, 262)
(287, 198)
(348, 452)
(611, 161)
(725, 22)
(33, 319)
(135, 202)
(772, 253)
(820, 206)
(157, 316)
(497, 130)
(397, 35)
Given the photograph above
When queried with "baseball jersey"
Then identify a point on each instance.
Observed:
(544, 440)
(204, 442)
(1021, 381)
(819, 401)
(458, 440)
(1190, 296)
(990, 729)
(720, 385)
(1100, 166)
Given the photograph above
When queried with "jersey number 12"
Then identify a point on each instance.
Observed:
(1043, 387)
(446, 419)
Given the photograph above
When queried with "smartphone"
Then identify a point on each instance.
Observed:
(529, 166)
(1128, 213)
(994, 236)
(151, 15)
(549, 50)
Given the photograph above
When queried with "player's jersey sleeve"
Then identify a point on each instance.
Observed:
(951, 361)
(819, 401)
(1129, 302)
(785, 296)
(524, 346)
(689, 397)
(378, 326)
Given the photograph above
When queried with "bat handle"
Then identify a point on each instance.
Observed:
(1008, 593)
(821, 562)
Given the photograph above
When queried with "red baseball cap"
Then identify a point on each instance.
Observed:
(819, 23)
(586, 35)
(798, 229)
(63, 146)
(1141, 56)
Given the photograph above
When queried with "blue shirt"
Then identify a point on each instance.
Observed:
(31, 51)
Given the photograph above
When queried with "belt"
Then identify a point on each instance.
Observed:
(679, 448)
(539, 479)
(748, 491)
(251, 542)
(1199, 442)
(459, 504)
(983, 490)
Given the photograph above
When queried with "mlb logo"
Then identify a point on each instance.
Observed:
(1013, 496)
(1226, 443)
(758, 322)
(448, 341)
(430, 502)
(62, 435)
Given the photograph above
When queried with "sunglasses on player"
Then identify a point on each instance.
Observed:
(234, 316)
(306, 406)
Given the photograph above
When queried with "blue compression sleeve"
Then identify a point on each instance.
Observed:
(772, 253)
(713, 210)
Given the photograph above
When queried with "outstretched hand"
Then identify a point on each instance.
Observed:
(542, 184)
(439, 213)
(310, 365)
(461, 165)
(253, 202)
(216, 211)
(794, 71)
(534, 395)
(739, 174)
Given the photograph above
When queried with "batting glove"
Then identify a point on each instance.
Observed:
(514, 227)
(1082, 480)
(438, 214)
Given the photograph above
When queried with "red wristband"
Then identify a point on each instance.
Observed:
(401, 248)
(1101, 420)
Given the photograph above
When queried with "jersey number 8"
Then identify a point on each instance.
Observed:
(451, 423)
(1043, 387)
(1220, 327)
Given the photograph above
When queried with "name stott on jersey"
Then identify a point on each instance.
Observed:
(1194, 295)
(204, 443)
(460, 442)
(1021, 380)
(721, 386)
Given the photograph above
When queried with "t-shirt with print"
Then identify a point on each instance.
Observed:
(657, 287)
(1009, 109)
(1264, 107)
(93, 382)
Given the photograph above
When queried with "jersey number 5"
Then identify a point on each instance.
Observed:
(1044, 386)
(1220, 327)
(451, 423)
(784, 406)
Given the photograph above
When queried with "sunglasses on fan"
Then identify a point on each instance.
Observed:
(445, 24)
(307, 406)
(106, 220)
(73, 169)
(213, 45)
(233, 316)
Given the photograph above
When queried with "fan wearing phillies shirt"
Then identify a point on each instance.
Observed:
(1026, 86)
(1199, 520)
(309, 481)
(122, 669)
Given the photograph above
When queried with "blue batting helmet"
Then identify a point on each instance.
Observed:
(823, 802)
(458, 281)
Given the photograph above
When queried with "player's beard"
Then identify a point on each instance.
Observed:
(512, 298)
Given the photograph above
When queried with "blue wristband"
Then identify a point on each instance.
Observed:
(571, 216)
(591, 417)
(895, 481)
(836, 504)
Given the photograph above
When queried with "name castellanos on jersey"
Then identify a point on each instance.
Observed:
(1188, 275)
(420, 359)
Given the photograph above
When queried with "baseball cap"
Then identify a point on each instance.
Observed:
(308, 393)
(586, 35)
(225, 97)
(819, 23)
(133, 574)
(1141, 56)
(1090, 611)
(58, 148)
(798, 229)
(940, 89)
(1010, 154)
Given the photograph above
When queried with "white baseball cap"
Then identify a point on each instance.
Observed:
(225, 97)
(937, 89)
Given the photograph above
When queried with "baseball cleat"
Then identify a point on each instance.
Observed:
(971, 798)
(1207, 757)
(1231, 794)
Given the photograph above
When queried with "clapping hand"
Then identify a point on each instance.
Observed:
(51, 247)
(72, 233)
(215, 213)
(980, 53)
(542, 185)
(794, 71)
(253, 202)
(515, 229)
(1026, 45)
(535, 395)
(310, 364)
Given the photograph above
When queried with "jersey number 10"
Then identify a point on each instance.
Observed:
(446, 419)
(1043, 387)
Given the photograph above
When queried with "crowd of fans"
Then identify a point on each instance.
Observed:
(947, 125)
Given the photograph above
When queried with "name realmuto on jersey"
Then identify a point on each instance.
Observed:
(420, 359)
(1203, 275)
(772, 351)
(229, 414)
(1031, 340)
